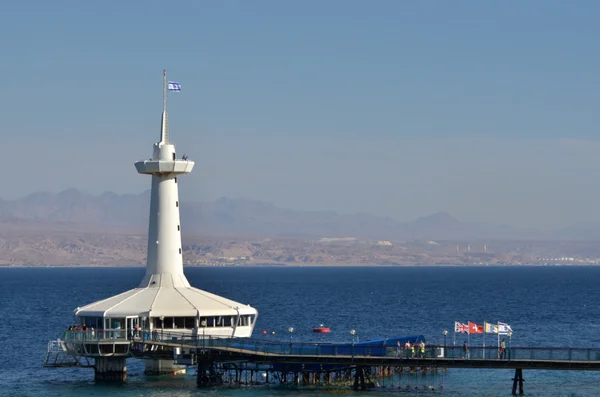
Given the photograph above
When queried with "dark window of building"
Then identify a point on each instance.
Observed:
(156, 323)
(190, 322)
(173, 156)
(176, 203)
(179, 322)
(175, 179)
(180, 250)
(168, 322)
(178, 228)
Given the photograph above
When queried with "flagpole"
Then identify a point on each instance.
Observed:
(164, 90)
(164, 129)
(498, 346)
(483, 354)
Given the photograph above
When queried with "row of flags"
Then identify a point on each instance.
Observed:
(488, 328)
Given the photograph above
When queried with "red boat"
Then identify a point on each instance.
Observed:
(322, 329)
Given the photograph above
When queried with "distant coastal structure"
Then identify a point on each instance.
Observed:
(327, 240)
(164, 302)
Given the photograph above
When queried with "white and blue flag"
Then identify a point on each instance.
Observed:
(504, 329)
(173, 86)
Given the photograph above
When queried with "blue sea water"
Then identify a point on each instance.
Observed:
(546, 307)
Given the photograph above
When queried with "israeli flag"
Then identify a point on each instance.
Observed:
(173, 86)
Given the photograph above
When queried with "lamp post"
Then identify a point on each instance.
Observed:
(352, 332)
(203, 325)
(143, 327)
(162, 327)
(509, 338)
(291, 331)
(445, 334)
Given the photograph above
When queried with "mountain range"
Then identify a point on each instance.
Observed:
(73, 209)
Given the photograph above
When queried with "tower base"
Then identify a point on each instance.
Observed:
(161, 367)
(110, 369)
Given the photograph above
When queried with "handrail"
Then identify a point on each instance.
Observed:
(263, 346)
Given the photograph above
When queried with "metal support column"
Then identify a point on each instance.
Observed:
(518, 379)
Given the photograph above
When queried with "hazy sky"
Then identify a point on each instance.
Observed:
(488, 110)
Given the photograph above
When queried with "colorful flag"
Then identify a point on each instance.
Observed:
(490, 328)
(457, 327)
(460, 327)
(504, 329)
(475, 329)
(173, 86)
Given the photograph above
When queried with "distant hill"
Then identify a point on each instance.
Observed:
(236, 217)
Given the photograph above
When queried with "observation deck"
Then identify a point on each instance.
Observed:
(164, 166)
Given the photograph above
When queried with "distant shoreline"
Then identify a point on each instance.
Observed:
(293, 265)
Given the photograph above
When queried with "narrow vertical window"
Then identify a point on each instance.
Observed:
(175, 179)
(178, 228)
(180, 250)
(176, 203)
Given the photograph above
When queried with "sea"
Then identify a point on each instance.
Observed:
(546, 306)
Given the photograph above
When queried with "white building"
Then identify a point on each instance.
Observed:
(165, 302)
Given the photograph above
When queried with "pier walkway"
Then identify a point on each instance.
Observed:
(261, 351)
(383, 351)
(301, 360)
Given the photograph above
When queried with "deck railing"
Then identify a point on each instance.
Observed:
(262, 346)
(96, 335)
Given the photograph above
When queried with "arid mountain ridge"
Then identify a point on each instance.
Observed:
(76, 210)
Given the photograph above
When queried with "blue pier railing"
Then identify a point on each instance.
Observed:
(390, 350)
(379, 348)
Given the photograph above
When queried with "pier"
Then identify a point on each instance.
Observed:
(360, 365)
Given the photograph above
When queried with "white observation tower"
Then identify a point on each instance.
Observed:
(164, 304)
(164, 266)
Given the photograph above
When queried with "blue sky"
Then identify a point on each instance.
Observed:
(486, 110)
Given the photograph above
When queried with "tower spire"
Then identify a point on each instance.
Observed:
(164, 90)
(164, 129)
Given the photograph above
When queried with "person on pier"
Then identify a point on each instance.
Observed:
(502, 349)
(465, 351)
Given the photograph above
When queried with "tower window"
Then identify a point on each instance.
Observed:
(180, 250)
(176, 203)
(174, 156)
(178, 228)
(175, 179)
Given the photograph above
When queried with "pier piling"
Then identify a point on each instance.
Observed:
(518, 379)
(110, 369)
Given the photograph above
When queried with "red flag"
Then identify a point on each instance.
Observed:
(475, 329)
